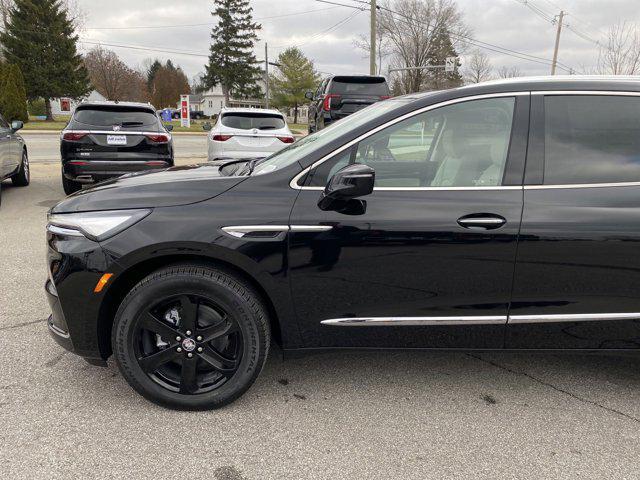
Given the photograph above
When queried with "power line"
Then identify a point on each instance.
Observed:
(343, 4)
(209, 24)
(322, 33)
(144, 48)
(487, 45)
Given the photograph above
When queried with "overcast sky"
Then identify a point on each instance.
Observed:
(506, 23)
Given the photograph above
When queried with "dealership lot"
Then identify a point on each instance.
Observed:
(334, 415)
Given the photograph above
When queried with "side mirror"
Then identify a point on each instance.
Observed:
(169, 127)
(350, 182)
(308, 95)
(16, 125)
(207, 126)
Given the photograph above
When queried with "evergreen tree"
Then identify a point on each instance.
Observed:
(295, 77)
(13, 100)
(40, 38)
(440, 48)
(151, 72)
(232, 64)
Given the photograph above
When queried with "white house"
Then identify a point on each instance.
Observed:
(212, 101)
(65, 105)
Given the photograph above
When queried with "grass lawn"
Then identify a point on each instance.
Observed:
(61, 122)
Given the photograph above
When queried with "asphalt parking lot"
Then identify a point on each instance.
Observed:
(408, 415)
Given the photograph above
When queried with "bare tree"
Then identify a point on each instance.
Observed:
(383, 49)
(478, 68)
(509, 72)
(620, 54)
(410, 34)
(112, 77)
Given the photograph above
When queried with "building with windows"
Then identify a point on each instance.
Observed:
(66, 105)
(212, 101)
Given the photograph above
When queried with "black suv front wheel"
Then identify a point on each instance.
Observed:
(191, 337)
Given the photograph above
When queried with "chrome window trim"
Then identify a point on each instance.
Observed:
(618, 93)
(577, 317)
(582, 185)
(294, 181)
(416, 321)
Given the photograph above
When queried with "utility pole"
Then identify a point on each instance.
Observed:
(555, 50)
(266, 75)
(372, 50)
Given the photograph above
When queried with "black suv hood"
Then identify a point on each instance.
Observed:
(163, 188)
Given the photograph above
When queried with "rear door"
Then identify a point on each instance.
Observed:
(577, 276)
(426, 260)
(254, 131)
(114, 133)
(350, 94)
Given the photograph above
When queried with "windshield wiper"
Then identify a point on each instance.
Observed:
(267, 127)
(131, 124)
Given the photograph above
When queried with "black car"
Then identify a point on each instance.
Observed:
(14, 161)
(505, 215)
(339, 96)
(108, 139)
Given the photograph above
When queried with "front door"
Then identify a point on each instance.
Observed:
(577, 281)
(427, 259)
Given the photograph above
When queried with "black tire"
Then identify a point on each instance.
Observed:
(135, 338)
(70, 186)
(23, 177)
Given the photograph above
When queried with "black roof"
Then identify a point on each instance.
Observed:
(109, 103)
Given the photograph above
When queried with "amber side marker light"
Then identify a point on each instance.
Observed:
(102, 282)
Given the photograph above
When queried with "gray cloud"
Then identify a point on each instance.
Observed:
(507, 23)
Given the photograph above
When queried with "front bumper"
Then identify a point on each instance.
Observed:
(88, 171)
(75, 265)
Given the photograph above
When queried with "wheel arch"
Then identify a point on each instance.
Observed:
(128, 278)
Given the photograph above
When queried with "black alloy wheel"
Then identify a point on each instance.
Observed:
(191, 337)
(188, 344)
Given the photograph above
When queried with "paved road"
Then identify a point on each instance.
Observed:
(45, 147)
(378, 415)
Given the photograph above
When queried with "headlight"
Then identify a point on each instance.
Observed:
(96, 226)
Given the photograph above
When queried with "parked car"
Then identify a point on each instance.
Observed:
(193, 114)
(14, 161)
(247, 133)
(108, 139)
(497, 216)
(339, 96)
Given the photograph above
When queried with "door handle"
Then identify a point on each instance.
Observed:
(484, 221)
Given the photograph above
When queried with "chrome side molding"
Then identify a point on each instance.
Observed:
(476, 320)
(578, 317)
(417, 321)
(270, 232)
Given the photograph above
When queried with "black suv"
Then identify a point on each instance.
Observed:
(339, 96)
(503, 215)
(108, 139)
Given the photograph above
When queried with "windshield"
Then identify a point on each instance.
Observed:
(109, 116)
(303, 147)
(248, 121)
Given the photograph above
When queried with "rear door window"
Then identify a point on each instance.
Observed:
(249, 121)
(359, 86)
(591, 139)
(109, 116)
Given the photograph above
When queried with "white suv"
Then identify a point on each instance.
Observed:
(248, 133)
